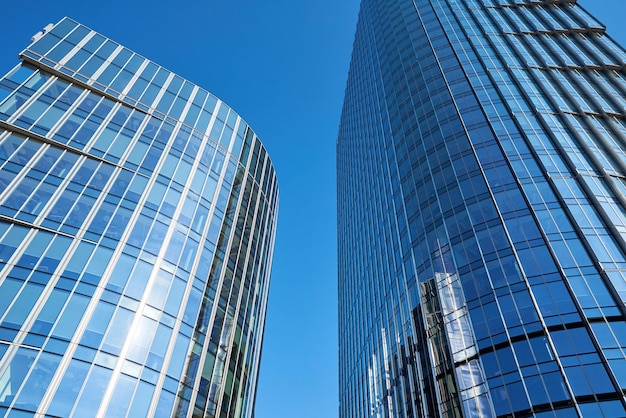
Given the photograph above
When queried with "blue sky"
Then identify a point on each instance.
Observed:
(282, 65)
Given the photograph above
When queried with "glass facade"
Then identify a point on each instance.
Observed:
(137, 222)
(482, 212)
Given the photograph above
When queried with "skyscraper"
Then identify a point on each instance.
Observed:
(482, 212)
(137, 221)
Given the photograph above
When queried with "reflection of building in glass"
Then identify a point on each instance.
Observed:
(482, 212)
(137, 220)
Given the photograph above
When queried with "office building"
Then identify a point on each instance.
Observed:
(482, 212)
(137, 220)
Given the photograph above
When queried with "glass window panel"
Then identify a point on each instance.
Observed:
(156, 238)
(122, 79)
(63, 206)
(80, 211)
(44, 44)
(119, 223)
(33, 112)
(166, 402)
(122, 270)
(536, 390)
(119, 146)
(11, 240)
(554, 383)
(618, 367)
(97, 382)
(171, 201)
(117, 332)
(50, 312)
(140, 231)
(612, 409)
(8, 290)
(73, 313)
(15, 374)
(21, 73)
(13, 103)
(188, 256)
(216, 130)
(160, 288)
(138, 280)
(138, 88)
(71, 94)
(179, 355)
(38, 381)
(578, 381)
(98, 324)
(99, 261)
(8, 147)
(142, 400)
(82, 55)
(79, 259)
(23, 305)
(3, 349)
(141, 339)
(108, 74)
(175, 298)
(63, 28)
(69, 388)
(122, 396)
(50, 118)
(20, 194)
(150, 94)
(159, 347)
(64, 165)
(68, 129)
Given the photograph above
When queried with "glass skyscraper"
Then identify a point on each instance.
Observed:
(137, 222)
(482, 212)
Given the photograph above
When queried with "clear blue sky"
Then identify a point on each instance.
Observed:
(282, 65)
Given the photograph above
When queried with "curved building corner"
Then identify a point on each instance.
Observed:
(137, 222)
(482, 212)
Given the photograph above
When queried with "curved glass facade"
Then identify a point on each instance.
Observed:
(482, 212)
(137, 222)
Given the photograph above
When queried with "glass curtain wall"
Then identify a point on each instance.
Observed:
(481, 212)
(137, 221)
